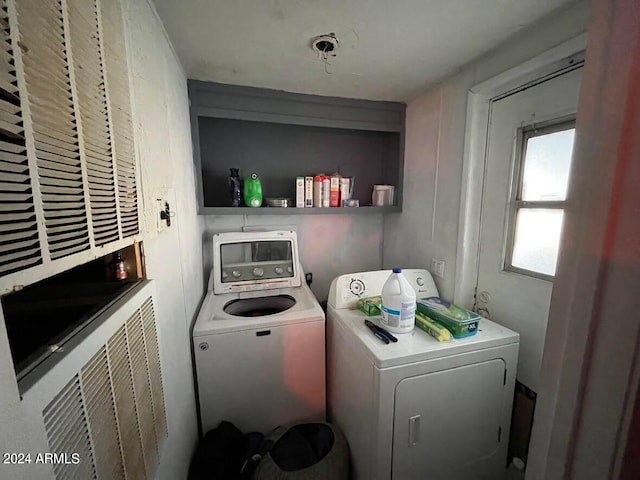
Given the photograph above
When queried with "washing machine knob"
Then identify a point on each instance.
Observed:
(236, 273)
(290, 270)
(224, 274)
(279, 270)
(258, 272)
(420, 281)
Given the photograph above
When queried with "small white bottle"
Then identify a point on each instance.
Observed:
(398, 303)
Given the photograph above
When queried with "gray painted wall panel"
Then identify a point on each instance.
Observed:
(278, 153)
(282, 135)
(212, 99)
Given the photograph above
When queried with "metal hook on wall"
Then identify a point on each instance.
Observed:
(167, 214)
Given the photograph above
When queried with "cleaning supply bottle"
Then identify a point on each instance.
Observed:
(398, 303)
(234, 187)
(252, 191)
(118, 267)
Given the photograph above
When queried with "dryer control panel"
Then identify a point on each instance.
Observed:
(346, 289)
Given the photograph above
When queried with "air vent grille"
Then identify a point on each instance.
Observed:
(68, 433)
(125, 403)
(98, 398)
(96, 135)
(119, 98)
(20, 245)
(44, 53)
(112, 414)
(68, 167)
(142, 388)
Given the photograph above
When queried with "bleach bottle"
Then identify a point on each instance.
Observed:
(398, 303)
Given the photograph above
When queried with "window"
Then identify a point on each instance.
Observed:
(539, 193)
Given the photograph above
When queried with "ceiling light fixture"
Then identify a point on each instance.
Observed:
(325, 45)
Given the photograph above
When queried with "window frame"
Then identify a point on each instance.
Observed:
(516, 203)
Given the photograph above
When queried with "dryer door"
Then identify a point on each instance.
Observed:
(447, 424)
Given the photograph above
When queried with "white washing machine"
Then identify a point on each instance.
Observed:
(259, 339)
(417, 409)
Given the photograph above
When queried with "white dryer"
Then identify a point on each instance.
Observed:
(417, 409)
(259, 339)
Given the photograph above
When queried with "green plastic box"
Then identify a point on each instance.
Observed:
(370, 305)
(459, 321)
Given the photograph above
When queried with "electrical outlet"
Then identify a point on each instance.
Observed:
(437, 267)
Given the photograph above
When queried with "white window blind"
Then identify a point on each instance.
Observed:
(67, 155)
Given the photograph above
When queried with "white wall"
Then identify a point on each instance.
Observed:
(329, 245)
(434, 148)
(173, 257)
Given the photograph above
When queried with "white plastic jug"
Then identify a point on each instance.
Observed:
(398, 303)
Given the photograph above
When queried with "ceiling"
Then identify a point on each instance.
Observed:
(389, 50)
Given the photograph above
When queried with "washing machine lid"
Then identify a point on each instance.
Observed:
(416, 346)
(252, 261)
(212, 318)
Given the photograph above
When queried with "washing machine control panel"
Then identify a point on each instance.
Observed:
(347, 289)
(251, 271)
(253, 261)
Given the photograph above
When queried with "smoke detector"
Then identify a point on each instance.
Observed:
(325, 45)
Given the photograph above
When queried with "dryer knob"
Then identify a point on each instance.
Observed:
(224, 274)
(279, 270)
(258, 272)
(290, 270)
(236, 273)
(420, 281)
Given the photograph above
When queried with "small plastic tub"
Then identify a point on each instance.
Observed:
(459, 321)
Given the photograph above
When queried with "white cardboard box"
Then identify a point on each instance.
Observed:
(299, 192)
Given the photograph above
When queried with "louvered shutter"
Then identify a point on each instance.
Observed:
(68, 171)
(155, 374)
(19, 242)
(112, 413)
(66, 424)
(119, 98)
(142, 389)
(125, 404)
(96, 135)
(101, 413)
(51, 103)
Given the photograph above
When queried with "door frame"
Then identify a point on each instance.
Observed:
(553, 62)
(549, 64)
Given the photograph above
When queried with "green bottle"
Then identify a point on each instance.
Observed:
(252, 191)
